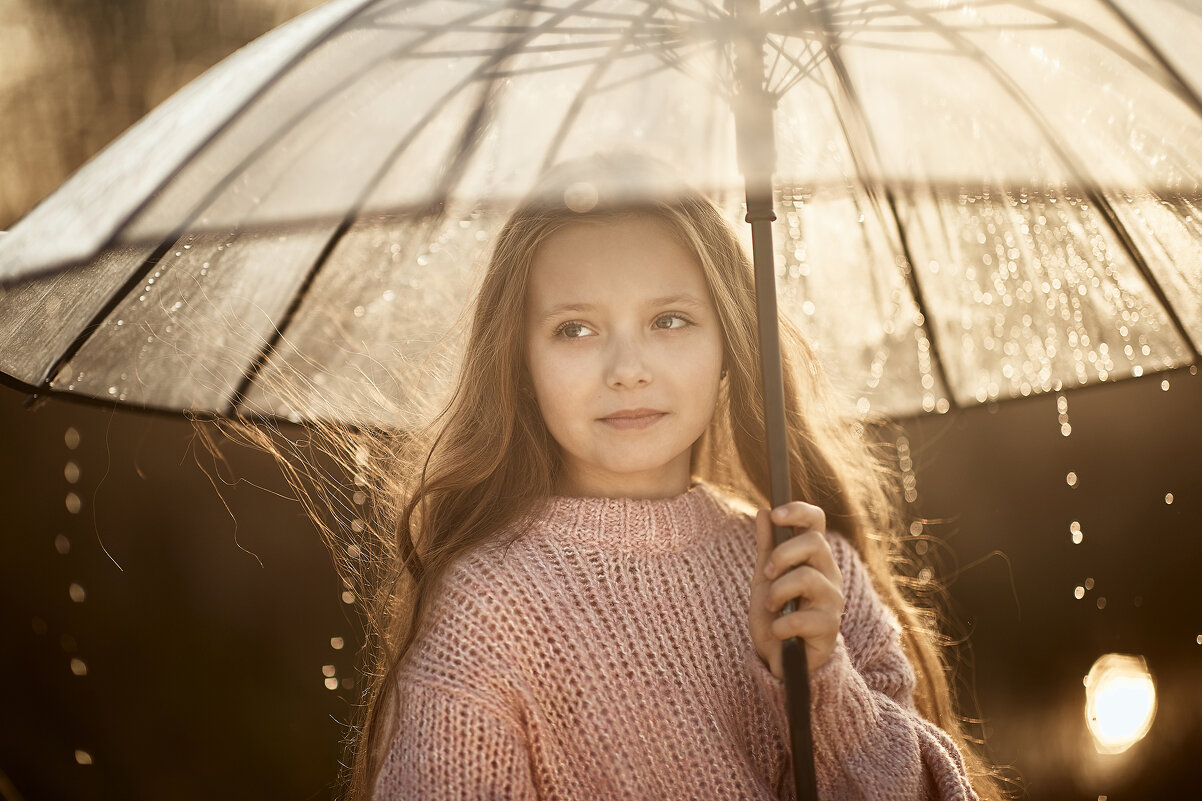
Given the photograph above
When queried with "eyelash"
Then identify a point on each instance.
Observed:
(559, 330)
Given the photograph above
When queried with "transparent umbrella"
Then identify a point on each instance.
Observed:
(975, 201)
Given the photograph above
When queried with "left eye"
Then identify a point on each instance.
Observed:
(670, 321)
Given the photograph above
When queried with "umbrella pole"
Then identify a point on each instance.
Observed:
(756, 139)
(793, 654)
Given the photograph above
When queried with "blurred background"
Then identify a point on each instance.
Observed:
(173, 626)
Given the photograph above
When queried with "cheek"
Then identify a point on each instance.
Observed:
(557, 384)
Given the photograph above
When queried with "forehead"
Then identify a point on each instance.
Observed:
(630, 257)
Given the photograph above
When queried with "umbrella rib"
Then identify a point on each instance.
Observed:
(590, 83)
(466, 148)
(1183, 89)
(137, 276)
(1091, 190)
(901, 244)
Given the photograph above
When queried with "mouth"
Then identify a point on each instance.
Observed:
(628, 419)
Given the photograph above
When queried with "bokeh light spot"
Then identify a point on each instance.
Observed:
(1120, 702)
(82, 757)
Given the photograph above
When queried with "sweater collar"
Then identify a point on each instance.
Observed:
(632, 524)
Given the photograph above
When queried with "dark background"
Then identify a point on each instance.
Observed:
(207, 602)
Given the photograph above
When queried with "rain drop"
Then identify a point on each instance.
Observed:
(62, 544)
(82, 757)
(1079, 592)
(327, 670)
(1089, 583)
(1075, 529)
(348, 597)
(79, 667)
(1071, 479)
(73, 503)
(331, 684)
(71, 472)
(77, 593)
(71, 438)
(1168, 498)
(336, 643)
(1164, 385)
(1102, 602)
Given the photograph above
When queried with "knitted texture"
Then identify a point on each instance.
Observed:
(606, 655)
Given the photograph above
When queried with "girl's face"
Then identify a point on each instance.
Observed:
(624, 348)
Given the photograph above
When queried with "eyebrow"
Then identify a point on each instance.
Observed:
(683, 299)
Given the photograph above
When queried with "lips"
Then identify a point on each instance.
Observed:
(628, 419)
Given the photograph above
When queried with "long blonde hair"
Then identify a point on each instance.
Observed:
(469, 477)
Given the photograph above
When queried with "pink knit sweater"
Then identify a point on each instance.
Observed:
(606, 655)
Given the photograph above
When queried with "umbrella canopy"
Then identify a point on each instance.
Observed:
(977, 201)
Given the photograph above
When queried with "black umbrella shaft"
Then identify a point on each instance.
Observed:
(793, 653)
(755, 135)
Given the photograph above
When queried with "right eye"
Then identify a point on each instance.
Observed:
(572, 330)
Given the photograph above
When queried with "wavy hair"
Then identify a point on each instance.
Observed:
(472, 475)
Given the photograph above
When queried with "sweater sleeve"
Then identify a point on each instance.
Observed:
(452, 745)
(869, 741)
(457, 721)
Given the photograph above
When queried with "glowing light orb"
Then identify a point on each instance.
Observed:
(1120, 702)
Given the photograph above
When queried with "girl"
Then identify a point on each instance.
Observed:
(583, 604)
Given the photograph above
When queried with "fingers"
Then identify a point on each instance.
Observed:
(800, 515)
(806, 584)
(809, 547)
(806, 624)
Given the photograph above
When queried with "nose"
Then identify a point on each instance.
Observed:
(627, 364)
